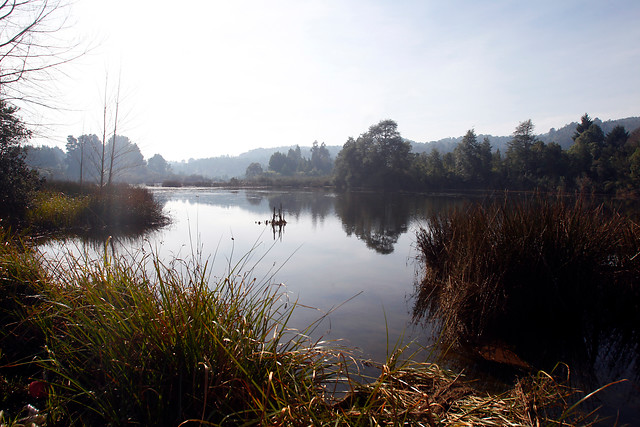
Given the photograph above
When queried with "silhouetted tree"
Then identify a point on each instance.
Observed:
(586, 150)
(519, 163)
(613, 165)
(378, 158)
(585, 123)
(158, 166)
(17, 181)
(348, 167)
(254, 170)
(321, 163)
(473, 159)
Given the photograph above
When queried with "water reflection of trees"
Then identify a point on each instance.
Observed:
(98, 250)
(377, 219)
(380, 219)
(318, 203)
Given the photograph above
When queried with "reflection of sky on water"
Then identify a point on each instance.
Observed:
(320, 265)
(323, 259)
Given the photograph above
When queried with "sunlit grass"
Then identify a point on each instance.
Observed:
(55, 210)
(63, 207)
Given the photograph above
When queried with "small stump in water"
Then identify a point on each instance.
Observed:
(277, 222)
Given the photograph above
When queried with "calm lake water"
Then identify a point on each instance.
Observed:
(347, 254)
(352, 251)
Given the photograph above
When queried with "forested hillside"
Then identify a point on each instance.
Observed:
(226, 167)
(595, 161)
(561, 136)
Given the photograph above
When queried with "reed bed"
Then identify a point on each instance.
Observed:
(168, 347)
(529, 272)
(115, 210)
(121, 341)
(54, 210)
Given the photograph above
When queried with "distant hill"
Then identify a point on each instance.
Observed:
(560, 136)
(226, 167)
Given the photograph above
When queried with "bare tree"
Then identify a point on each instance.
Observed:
(111, 162)
(104, 133)
(31, 47)
(115, 128)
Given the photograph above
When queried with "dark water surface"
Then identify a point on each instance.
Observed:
(353, 251)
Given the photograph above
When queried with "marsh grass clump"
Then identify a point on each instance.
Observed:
(424, 394)
(529, 272)
(55, 210)
(117, 209)
(164, 347)
(123, 206)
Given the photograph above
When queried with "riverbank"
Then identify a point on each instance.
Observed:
(112, 341)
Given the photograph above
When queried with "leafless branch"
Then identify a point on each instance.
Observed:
(31, 47)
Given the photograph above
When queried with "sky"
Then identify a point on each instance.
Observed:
(210, 78)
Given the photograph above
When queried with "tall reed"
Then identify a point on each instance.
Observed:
(164, 346)
(529, 271)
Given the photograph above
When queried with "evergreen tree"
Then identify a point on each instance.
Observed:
(277, 162)
(519, 163)
(321, 163)
(585, 123)
(586, 151)
(467, 157)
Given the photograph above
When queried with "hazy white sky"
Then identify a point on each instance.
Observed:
(208, 78)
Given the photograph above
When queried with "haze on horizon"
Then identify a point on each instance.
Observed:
(203, 79)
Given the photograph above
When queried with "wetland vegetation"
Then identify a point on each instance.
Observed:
(67, 208)
(112, 342)
(549, 277)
